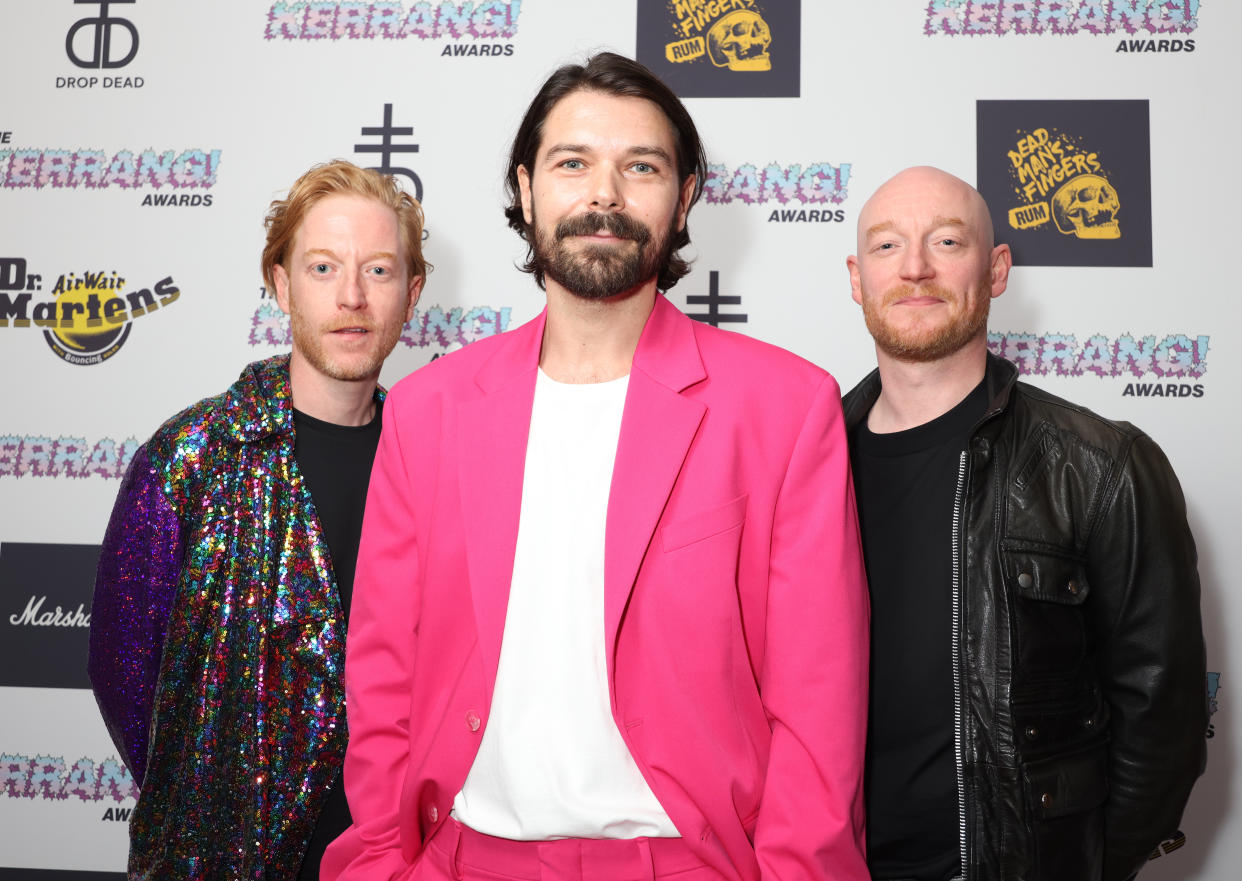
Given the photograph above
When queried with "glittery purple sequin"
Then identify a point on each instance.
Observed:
(217, 641)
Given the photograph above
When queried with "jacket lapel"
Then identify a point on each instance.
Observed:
(657, 428)
(494, 430)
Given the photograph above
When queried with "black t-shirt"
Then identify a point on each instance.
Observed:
(906, 482)
(335, 461)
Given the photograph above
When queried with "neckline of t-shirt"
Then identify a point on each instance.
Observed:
(305, 420)
(583, 388)
(954, 423)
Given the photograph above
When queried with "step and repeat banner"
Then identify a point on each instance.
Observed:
(141, 141)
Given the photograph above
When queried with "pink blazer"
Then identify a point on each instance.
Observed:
(735, 600)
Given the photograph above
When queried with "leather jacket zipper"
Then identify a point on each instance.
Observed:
(959, 715)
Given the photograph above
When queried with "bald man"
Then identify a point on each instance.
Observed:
(1037, 700)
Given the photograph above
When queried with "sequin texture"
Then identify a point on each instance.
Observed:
(221, 624)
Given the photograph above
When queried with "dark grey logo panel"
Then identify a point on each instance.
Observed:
(45, 613)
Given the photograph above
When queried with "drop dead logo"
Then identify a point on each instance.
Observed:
(86, 316)
(1140, 26)
(101, 42)
(1068, 182)
(723, 48)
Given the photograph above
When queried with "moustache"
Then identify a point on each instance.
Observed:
(905, 291)
(620, 225)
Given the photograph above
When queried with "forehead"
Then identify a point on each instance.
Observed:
(915, 205)
(600, 121)
(346, 216)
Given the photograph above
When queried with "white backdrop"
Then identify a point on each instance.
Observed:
(244, 105)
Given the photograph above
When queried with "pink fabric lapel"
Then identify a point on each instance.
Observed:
(657, 429)
(494, 430)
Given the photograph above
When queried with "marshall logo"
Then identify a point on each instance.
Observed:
(34, 616)
(45, 613)
(1068, 182)
(723, 48)
(100, 29)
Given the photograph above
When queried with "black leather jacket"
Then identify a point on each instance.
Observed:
(1077, 642)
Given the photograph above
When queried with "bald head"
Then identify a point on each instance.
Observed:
(926, 194)
(927, 267)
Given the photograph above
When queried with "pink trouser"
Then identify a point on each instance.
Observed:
(458, 853)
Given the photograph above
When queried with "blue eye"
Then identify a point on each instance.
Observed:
(572, 164)
(644, 167)
(320, 268)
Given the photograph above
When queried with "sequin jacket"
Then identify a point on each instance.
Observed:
(217, 641)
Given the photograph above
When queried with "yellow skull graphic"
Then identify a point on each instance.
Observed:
(1087, 207)
(740, 41)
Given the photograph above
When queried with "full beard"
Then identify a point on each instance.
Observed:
(923, 343)
(597, 272)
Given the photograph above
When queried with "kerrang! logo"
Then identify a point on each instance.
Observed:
(300, 20)
(1174, 356)
(1033, 17)
(52, 778)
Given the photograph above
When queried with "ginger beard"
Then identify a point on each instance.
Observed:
(930, 337)
(599, 271)
(354, 364)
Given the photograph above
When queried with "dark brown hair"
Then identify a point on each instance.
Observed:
(614, 75)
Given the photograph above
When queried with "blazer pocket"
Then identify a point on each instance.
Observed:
(704, 524)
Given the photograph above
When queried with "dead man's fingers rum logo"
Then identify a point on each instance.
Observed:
(1068, 183)
(722, 48)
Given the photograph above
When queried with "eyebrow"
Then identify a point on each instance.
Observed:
(937, 221)
(637, 150)
(328, 252)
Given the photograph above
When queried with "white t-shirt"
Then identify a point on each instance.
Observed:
(552, 763)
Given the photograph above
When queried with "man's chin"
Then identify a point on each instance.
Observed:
(598, 282)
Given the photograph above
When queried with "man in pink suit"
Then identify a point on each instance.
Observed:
(610, 619)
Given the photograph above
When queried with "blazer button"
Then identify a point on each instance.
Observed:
(1072, 587)
(433, 814)
(1025, 579)
(1045, 800)
(473, 720)
(1031, 732)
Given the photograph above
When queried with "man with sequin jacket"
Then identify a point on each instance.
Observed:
(1037, 669)
(218, 625)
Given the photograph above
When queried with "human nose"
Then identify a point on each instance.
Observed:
(605, 191)
(351, 294)
(914, 264)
